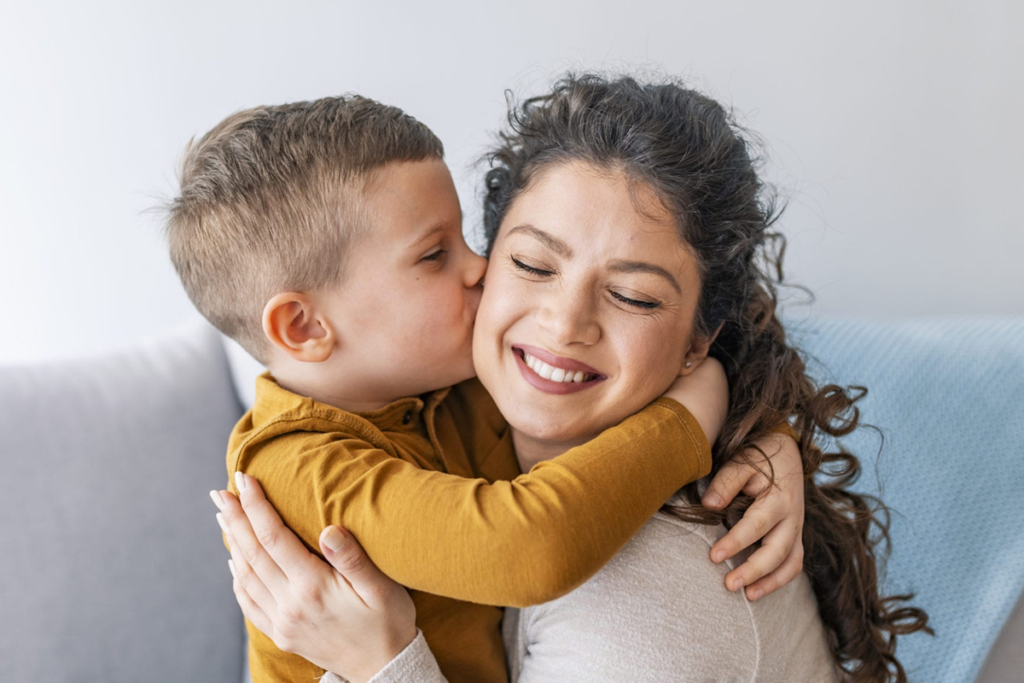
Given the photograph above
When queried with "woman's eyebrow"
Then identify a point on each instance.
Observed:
(641, 267)
(553, 243)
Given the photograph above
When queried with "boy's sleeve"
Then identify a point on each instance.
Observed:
(517, 543)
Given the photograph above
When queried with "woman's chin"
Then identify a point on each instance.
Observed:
(542, 429)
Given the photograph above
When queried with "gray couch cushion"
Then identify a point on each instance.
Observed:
(112, 566)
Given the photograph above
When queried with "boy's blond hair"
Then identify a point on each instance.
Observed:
(270, 202)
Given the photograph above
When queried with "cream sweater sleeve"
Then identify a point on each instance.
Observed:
(414, 664)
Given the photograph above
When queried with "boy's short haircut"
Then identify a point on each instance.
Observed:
(270, 201)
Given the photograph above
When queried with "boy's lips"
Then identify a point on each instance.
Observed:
(559, 370)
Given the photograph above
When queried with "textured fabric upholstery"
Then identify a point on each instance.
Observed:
(948, 396)
(98, 584)
(112, 566)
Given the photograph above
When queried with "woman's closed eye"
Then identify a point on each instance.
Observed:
(636, 303)
(632, 302)
(532, 270)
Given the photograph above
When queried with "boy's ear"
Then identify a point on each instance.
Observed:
(293, 324)
(698, 352)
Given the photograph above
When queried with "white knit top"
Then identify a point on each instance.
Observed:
(659, 611)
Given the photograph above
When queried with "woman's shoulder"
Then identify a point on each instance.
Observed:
(648, 613)
(645, 616)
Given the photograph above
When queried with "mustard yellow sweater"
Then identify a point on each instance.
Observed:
(431, 488)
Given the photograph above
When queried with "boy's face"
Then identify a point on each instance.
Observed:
(406, 308)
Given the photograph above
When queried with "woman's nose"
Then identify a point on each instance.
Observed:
(569, 318)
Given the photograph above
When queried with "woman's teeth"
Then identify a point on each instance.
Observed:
(555, 374)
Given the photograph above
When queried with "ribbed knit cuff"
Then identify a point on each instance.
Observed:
(414, 664)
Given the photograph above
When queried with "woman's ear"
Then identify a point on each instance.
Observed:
(697, 352)
(293, 324)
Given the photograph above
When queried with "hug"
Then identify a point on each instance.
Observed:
(593, 454)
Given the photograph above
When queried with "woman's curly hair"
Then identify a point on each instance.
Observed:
(687, 148)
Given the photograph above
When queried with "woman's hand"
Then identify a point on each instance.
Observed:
(350, 619)
(776, 517)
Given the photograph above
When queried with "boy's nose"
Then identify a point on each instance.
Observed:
(475, 269)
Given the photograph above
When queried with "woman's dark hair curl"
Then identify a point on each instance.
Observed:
(687, 148)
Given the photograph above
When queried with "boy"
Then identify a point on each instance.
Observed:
(325, 237)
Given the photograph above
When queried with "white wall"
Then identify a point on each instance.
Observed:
(895, 127)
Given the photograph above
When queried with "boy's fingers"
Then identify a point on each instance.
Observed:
(280, 542)
(235, 523)
(345, 554)
(774, 551)
(726, 485)
(787, 571)
(758, 521)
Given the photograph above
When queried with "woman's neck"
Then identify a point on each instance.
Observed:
(530, 451)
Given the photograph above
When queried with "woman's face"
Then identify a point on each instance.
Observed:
(588, 305)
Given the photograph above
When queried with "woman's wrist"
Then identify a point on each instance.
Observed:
(415, 663)
(391, 651)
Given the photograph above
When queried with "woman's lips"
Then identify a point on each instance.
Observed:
(556, 361)
(566, 365)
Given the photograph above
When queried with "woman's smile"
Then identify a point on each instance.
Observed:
(554, 374)
(588, 306)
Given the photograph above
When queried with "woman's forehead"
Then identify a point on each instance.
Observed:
(575, 208)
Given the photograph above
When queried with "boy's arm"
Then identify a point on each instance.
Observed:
(516, 543)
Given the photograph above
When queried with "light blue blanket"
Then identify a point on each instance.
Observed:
(948, 395)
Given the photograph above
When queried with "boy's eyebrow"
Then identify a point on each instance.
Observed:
(553, 243)
(440, 227)
(433, 231)
(641, 267)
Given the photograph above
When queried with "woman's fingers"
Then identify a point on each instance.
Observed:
(345, 554)
(250, 582)
(245, 542)
(250, 610)
(279, 542)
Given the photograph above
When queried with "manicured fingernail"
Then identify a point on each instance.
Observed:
(718, 556)
(334, 539)
(217, 500)
(222, 523)
(240, 481)
(712, 500)
(756, 593)
(231, 566)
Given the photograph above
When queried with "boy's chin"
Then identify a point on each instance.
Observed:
(455, 375)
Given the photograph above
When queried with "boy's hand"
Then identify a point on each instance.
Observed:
(705, 393)
(346, 617)
(776, 516)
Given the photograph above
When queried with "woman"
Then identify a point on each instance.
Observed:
(622, 218)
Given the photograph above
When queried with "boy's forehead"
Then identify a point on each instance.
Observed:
(411, 199)
(399, 180)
